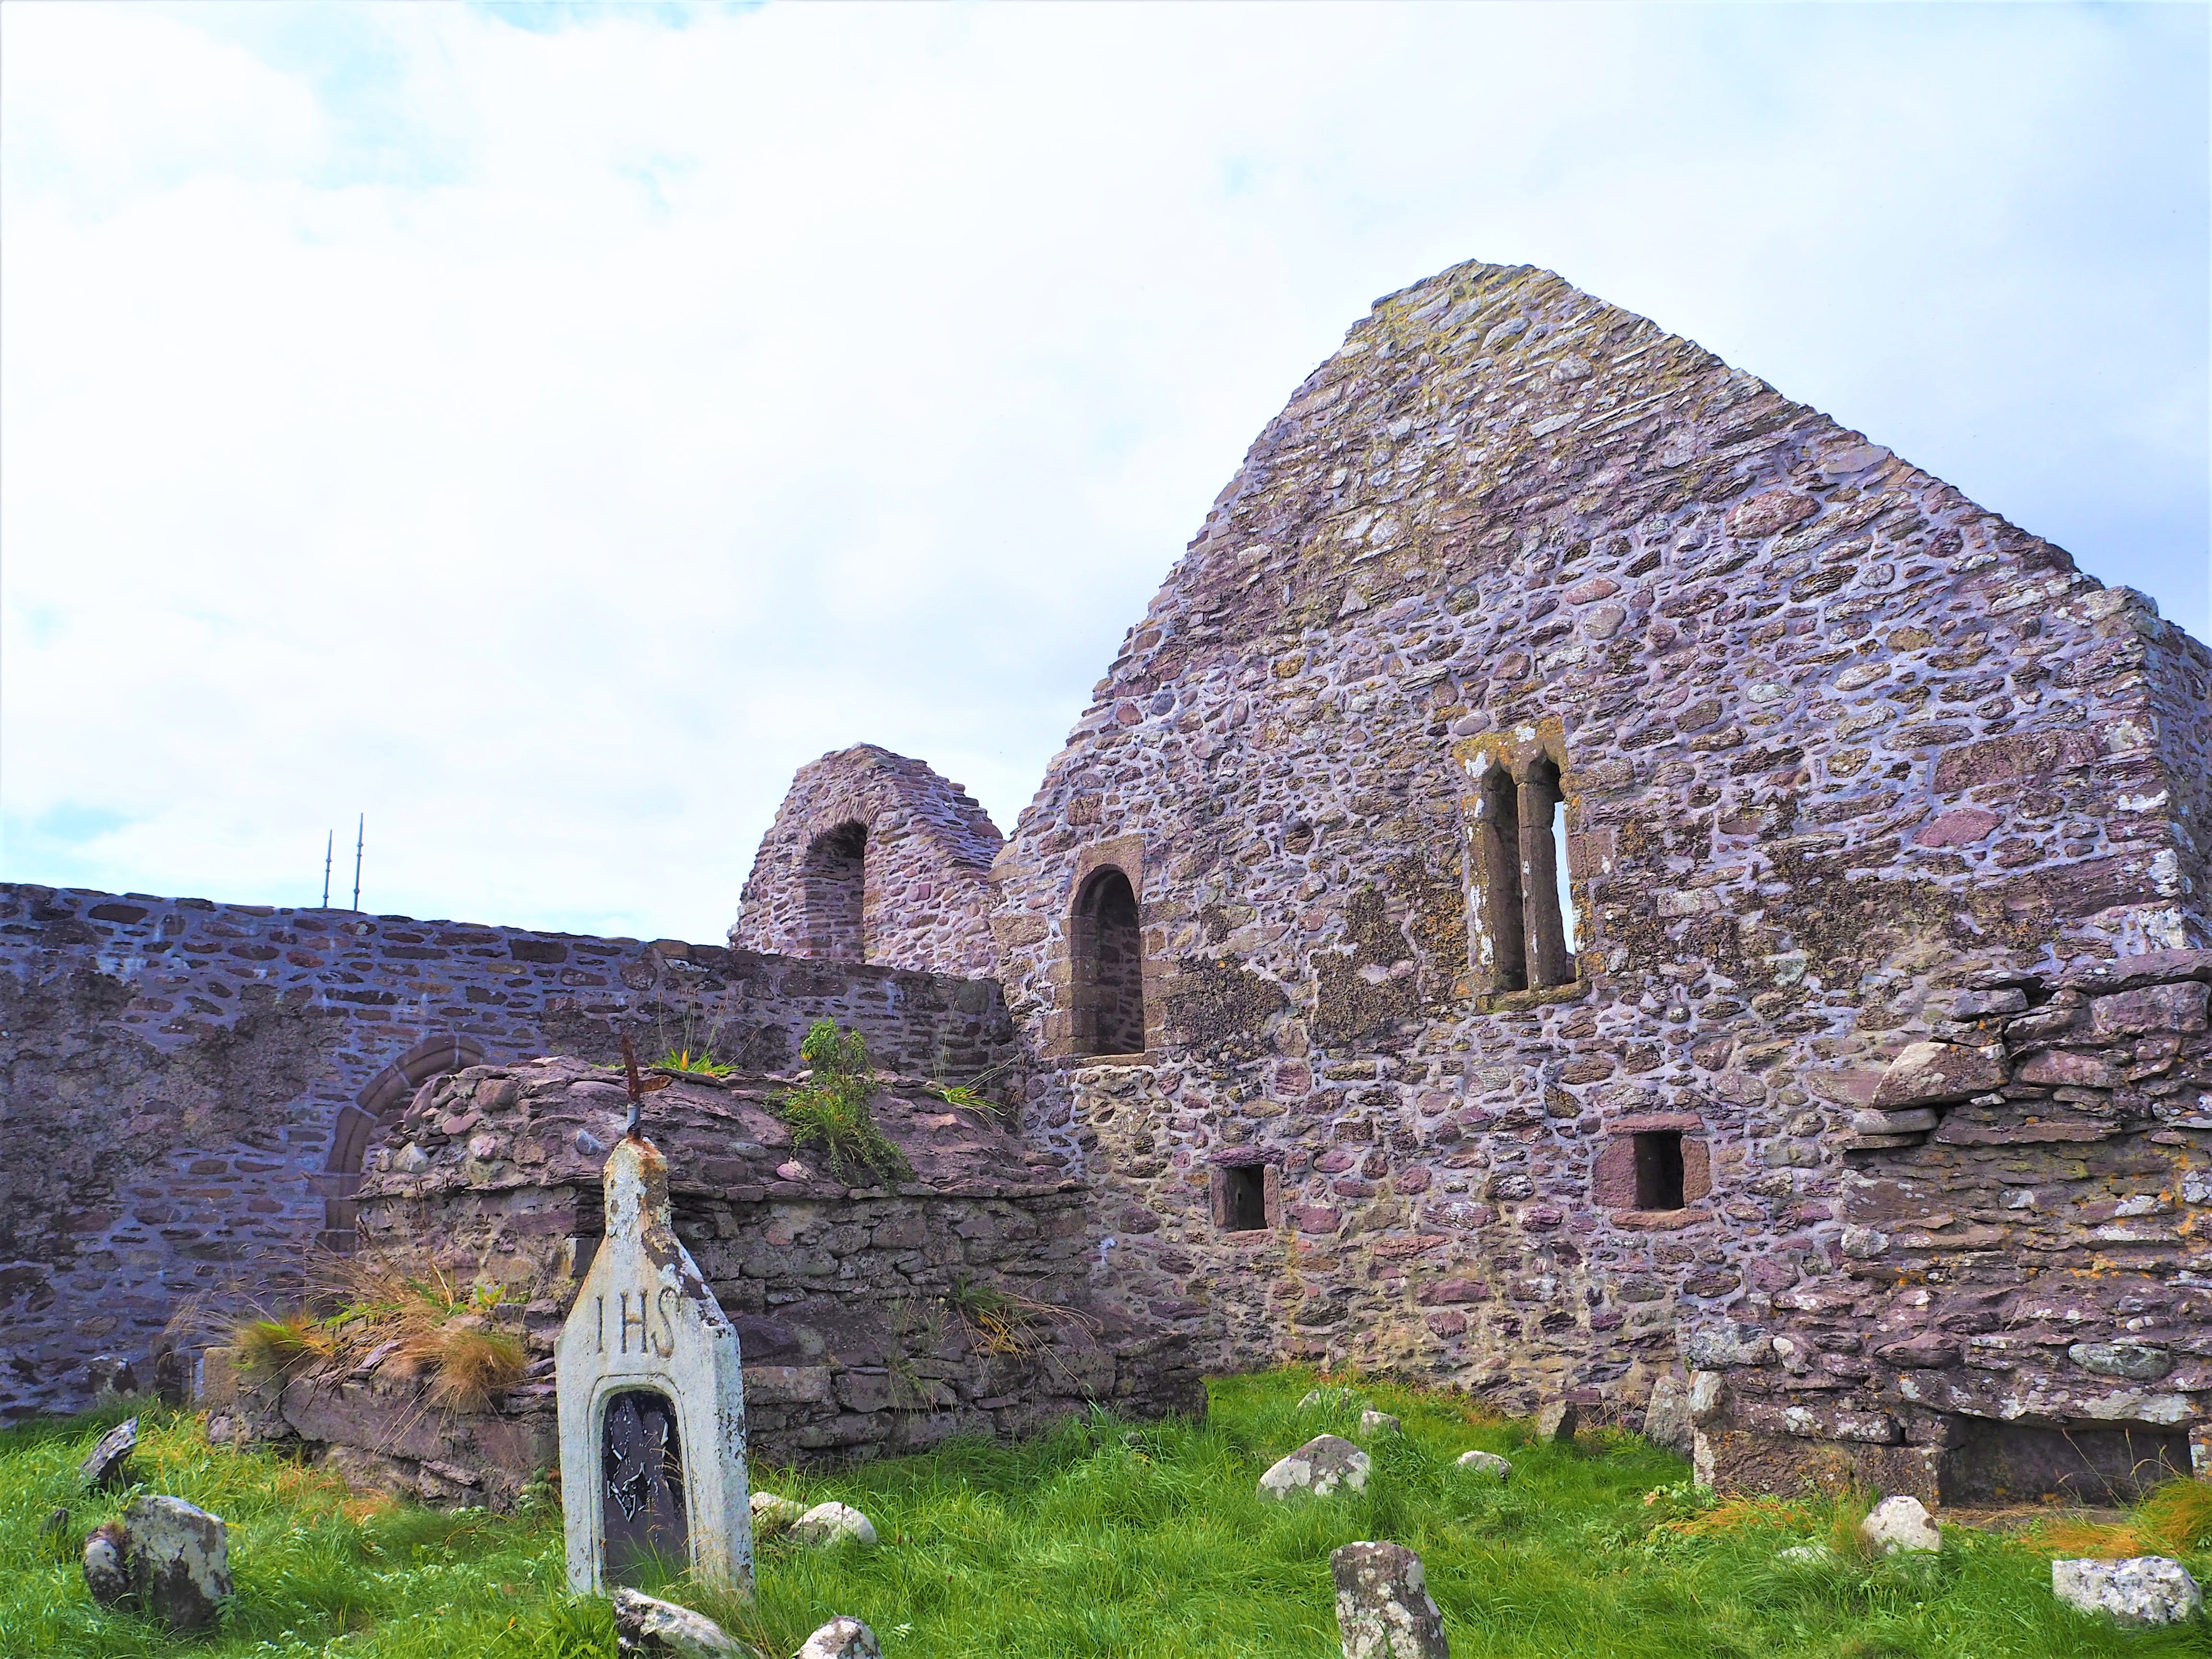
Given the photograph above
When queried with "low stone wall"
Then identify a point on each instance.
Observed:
(875, 1318)
(190, 1087)
(2021, 1305)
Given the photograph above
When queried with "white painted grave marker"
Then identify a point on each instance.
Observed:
(653, 1404)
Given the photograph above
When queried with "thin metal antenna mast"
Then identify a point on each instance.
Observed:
(330, 842)
(360, 835)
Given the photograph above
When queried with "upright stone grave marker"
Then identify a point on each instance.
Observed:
(652, 1398)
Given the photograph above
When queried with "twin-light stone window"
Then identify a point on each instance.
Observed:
(1525, 930)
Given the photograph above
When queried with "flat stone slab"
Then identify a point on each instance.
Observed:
(1326, 1464)
(106, 1466)
(2143, 1591)
(645, 1624)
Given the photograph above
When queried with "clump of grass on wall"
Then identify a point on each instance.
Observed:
(829, 1109)
(424, 1325)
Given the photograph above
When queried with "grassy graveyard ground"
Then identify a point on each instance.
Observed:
(1102, 1539)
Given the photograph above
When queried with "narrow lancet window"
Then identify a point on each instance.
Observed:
(1109, 967)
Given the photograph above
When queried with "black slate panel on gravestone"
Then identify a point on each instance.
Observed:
(641, 1505)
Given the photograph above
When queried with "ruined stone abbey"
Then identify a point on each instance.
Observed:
(1588, 877)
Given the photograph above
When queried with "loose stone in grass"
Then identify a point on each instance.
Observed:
(2147, 1590)
(643, 1624)
(107, 1563)
(1331, 1399)
(826, 1524)
(1372, 1423)
(1900, 1525)
(772, 1512)
(167, 1556)
(1383, 1609)
(1558, 1420)
(1316, 1469)
(843, 1639)
(1483, 1462)
(1806, 1555)
(107, 1465)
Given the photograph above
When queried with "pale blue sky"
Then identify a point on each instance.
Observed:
(547, 428)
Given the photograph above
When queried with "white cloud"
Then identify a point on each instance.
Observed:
(548, 439)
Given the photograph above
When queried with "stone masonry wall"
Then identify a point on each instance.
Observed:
(861, 1311)
(2023, 1301)
(1832, 740)
(926, 898)
(189, 1086)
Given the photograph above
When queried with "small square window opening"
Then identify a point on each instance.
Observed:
(1245, 1194)
(1659, 1169)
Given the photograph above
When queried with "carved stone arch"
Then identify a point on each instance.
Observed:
(358, 1124)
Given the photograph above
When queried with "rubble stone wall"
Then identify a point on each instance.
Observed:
(190, 1086)
(922, 899)
(2023, 1297)
(871, 1319)
(1832, 741)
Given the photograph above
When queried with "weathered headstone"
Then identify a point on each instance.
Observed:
(168, 1558)
(652, 1401)
(107, 1465)
(1383, 1609)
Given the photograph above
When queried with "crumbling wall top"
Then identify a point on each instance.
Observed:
(873, 857)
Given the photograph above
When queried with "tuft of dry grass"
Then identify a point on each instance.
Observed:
(2175, 1519)
(1731, 1515)
(2178, 1515)
(410, 1324)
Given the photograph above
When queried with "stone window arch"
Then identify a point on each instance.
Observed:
(359, 1124)
(833, 884)
(1107, 952)
(1524, 931)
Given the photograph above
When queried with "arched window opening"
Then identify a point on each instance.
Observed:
(1549, 927)
(1109, 967)
(1497, 862)
(833, 889)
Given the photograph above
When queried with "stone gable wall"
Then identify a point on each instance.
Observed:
(1834, 739)
(189, 1086)
(926, 898)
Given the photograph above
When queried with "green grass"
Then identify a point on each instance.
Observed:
(1079, 1543)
